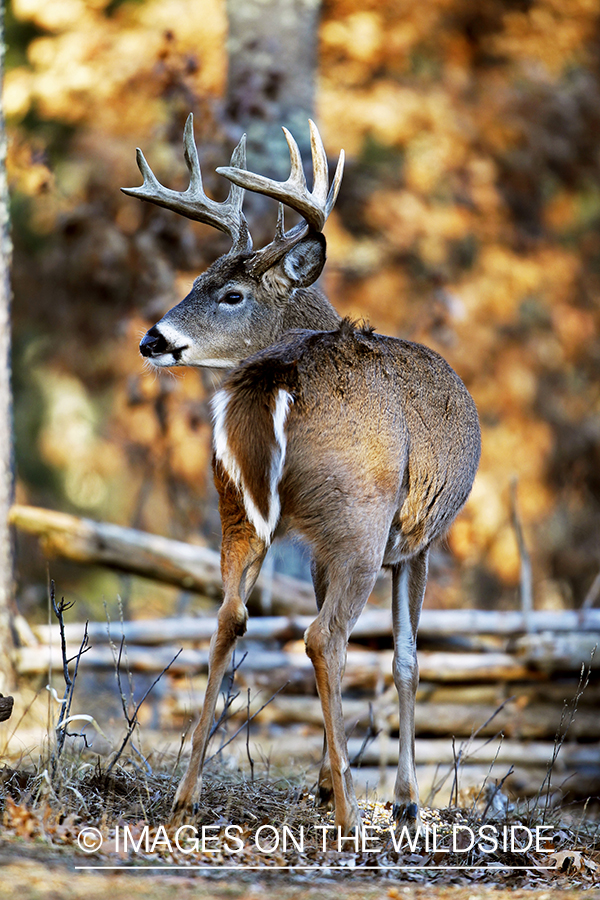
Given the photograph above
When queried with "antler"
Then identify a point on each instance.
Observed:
(313, 207)
(193, 203)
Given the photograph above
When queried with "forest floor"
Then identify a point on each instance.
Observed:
(49, 875)
(85, 834)
(74, 824)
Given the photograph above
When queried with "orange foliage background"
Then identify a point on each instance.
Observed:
(469, 219)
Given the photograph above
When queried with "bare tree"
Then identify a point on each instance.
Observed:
(6, 451)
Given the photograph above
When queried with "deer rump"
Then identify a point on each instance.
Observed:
(348, 436)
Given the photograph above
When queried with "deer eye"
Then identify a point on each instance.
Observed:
(232, 297)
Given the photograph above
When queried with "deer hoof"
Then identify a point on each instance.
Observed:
(353, 827)
(324, 796)
(182, 813)
(406, 813)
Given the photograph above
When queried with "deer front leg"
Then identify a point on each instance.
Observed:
(408, 588)
(242, 553)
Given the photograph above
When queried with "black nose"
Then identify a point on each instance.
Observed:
(153, 343)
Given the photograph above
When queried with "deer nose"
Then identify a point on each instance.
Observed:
(153, 343)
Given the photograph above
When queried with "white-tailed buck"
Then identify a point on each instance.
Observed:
(363, 444)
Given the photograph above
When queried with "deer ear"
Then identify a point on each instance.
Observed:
(303, 264)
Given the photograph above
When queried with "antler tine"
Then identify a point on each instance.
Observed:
(280, 227)
(193, 202)
(238, 161)
(320, 167)
(325, 198)
(190, 154)
(296, 181)
(335, 185)
(313, 206)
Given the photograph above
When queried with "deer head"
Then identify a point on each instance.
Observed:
(247, 298)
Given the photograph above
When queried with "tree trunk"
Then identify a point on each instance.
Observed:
(6, 460)
(272, 50)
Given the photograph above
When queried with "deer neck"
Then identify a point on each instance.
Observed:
(310, 309)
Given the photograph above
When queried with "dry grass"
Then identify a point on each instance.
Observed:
(132, 797)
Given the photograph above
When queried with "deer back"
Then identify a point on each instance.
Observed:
(323, 426)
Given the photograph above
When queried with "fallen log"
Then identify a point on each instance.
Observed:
(364, 668)
(553, 692)
(534, 722)
(372, 624)
(551, 652)
(525, 781)
(437, 751)
(189, 566)
(197, 568)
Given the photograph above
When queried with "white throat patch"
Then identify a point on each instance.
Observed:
(264, 526)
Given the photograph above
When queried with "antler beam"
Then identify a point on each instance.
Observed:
(193, 202)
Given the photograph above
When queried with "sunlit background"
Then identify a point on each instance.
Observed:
(469, 219)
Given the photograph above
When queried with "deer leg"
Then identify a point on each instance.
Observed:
(242, 554)
(326, 641)
(324, 784)
(408, 588)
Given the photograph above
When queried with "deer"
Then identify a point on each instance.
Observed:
(364, 445)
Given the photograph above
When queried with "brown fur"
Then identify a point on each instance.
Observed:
(339, 381)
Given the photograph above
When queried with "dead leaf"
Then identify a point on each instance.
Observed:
(574, 861)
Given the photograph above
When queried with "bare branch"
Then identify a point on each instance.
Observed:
(132, 720)
(61, 729)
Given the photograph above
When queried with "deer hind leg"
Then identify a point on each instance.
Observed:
(242, 554)
(348, 588)
(324, 784)
(408, 588)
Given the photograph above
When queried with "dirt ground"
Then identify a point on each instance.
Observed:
(69, 842)
(28, 879)
(44, 873)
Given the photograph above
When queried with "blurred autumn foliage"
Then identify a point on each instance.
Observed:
(469, 219)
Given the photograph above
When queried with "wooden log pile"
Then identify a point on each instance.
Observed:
(501, 685)
(505, 686)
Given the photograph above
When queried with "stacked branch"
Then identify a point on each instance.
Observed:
(507, 673)
(197, 568)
